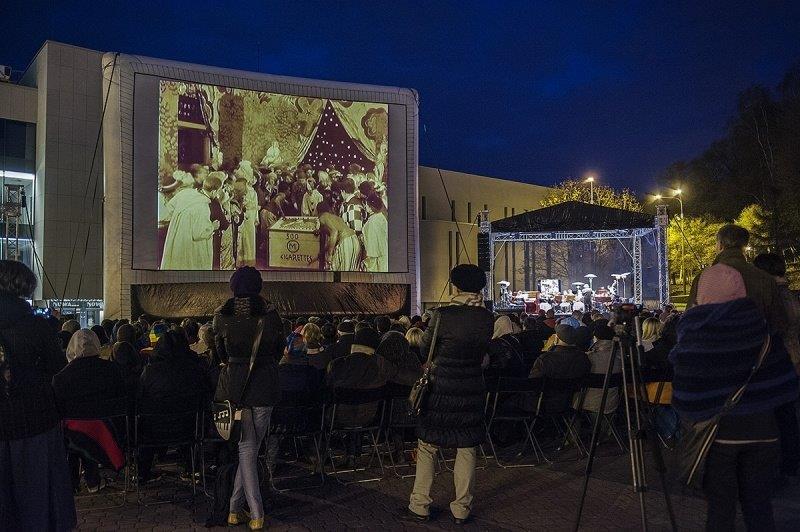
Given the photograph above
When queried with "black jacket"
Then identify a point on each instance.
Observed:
(235, 324)
(454, 413)
(171, 383)
(343, 345)
(561, 362)
(34, 354)
(90, 387)
(127, 358)
(358, 371)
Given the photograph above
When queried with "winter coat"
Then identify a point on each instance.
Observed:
(454, 412)
(358, 371)
(235, 324)
(34, 354)
(90, 387)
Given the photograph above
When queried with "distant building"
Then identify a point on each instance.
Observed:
(440, 246)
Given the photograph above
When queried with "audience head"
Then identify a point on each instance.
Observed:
(346, 327)
(16, 279)
(550, 314)
(570, 321)
(392, 342)
(312, 335)
(246, 282)
(405, 321)
(126, 333)
(772, 263)
(383, 324)
(732, 236)
(571, 336)
(64, 337)
(468, 278)
(503, 326)
(84, 343)
(191, 329)
(366, 340)
(651, 329)
(71, 326)
(363, 324)
(578, 315)
(329, 334)
(170, 344)
(531, 323)
(414, 336)
(101, 334)
(603, 332)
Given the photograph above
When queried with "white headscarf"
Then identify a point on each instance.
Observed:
(503, 326)
(84, 343)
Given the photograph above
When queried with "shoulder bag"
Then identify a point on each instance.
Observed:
(700, 435)
(227, 415)
(419, 392)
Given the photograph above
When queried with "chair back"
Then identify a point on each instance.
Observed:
(557, 395)
(167, 429)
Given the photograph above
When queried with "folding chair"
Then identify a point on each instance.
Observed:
(296, 417)
(506, 403)
(595, 382)
(335, 423)
(167, 430)
(555, 405)
(399, 418)
(114, 415)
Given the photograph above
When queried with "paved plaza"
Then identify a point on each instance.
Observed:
(539, 498)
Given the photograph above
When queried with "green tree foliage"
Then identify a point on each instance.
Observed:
(696, 238)
(575, 190)
(756, 219)
(756, 162)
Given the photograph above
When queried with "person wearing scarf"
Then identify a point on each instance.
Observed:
(453, 414)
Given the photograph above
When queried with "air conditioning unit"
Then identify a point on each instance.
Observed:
(5, 73)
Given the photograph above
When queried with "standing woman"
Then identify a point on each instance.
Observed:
(238, 324)
(35, 487)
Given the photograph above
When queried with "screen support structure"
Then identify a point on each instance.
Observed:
(635, 235)
(485, 228)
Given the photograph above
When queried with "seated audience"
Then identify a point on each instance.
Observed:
(599, 354)
(346, 332)
(88, 387)
(414, 336)
(564, 361)
(318, 357)
(400, 366)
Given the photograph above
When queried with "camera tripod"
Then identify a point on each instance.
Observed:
(625, 348)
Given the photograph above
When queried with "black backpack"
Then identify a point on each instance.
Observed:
(223, 489)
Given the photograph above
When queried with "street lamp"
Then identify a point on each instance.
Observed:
(590, 180)
(678, 196)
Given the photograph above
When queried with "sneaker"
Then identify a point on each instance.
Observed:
(100, 486)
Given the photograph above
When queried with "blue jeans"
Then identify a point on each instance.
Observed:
(246, 487)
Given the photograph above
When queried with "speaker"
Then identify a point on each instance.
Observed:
(484, 253)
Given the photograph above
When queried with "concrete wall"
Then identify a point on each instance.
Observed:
(18, 102)
(441, 248)
(67, 210)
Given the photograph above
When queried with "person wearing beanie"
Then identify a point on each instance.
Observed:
(360, 370)
(237, 325)
(345, 333)
(454, 416)
(733, 308)
(88, 387)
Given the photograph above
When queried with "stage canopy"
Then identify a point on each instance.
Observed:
(576, 221)
(573, 216)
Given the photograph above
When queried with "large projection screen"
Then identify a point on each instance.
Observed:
(262, 132)
(226, 177)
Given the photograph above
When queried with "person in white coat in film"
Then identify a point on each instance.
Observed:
(189, 244)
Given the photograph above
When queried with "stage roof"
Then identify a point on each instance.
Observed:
(572, 216)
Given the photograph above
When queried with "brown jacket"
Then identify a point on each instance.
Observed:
(761, 288)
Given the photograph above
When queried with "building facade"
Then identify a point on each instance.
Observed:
(448, 229)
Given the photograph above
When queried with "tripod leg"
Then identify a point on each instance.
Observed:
(634, 436)
(615, 352)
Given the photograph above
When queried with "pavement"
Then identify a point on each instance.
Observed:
(544, 497)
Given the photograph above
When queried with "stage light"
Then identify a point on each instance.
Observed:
(657, 196)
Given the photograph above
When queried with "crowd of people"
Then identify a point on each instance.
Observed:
(221, 218)
(68, 373)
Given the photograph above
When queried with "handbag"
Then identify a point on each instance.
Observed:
(227, 415)
(698, 436)
(419, 392)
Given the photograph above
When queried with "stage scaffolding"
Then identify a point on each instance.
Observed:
(573, 221)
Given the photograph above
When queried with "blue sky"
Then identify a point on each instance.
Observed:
(531, 91)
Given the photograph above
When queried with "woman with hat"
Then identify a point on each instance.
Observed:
(239, 324)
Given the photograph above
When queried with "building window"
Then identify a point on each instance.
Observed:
(423, 208)
(452, 210)
(505, 212)
(458, 250)
(485, 207)
(512, 211)
(469, 212)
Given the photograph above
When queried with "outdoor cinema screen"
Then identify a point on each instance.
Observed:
(274, 181)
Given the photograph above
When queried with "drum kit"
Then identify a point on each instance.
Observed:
(582, 296)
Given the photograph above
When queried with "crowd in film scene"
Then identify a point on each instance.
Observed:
(253, 178)
(333, 393)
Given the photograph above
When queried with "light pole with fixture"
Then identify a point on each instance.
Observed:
(590, 180)
(678, 195)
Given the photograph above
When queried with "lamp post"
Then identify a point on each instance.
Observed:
(678, 196)
(590, 180)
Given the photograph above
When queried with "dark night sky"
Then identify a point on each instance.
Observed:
(532, 91)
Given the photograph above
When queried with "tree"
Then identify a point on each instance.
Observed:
(755, 219)
(575, 190)
(699, 237)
